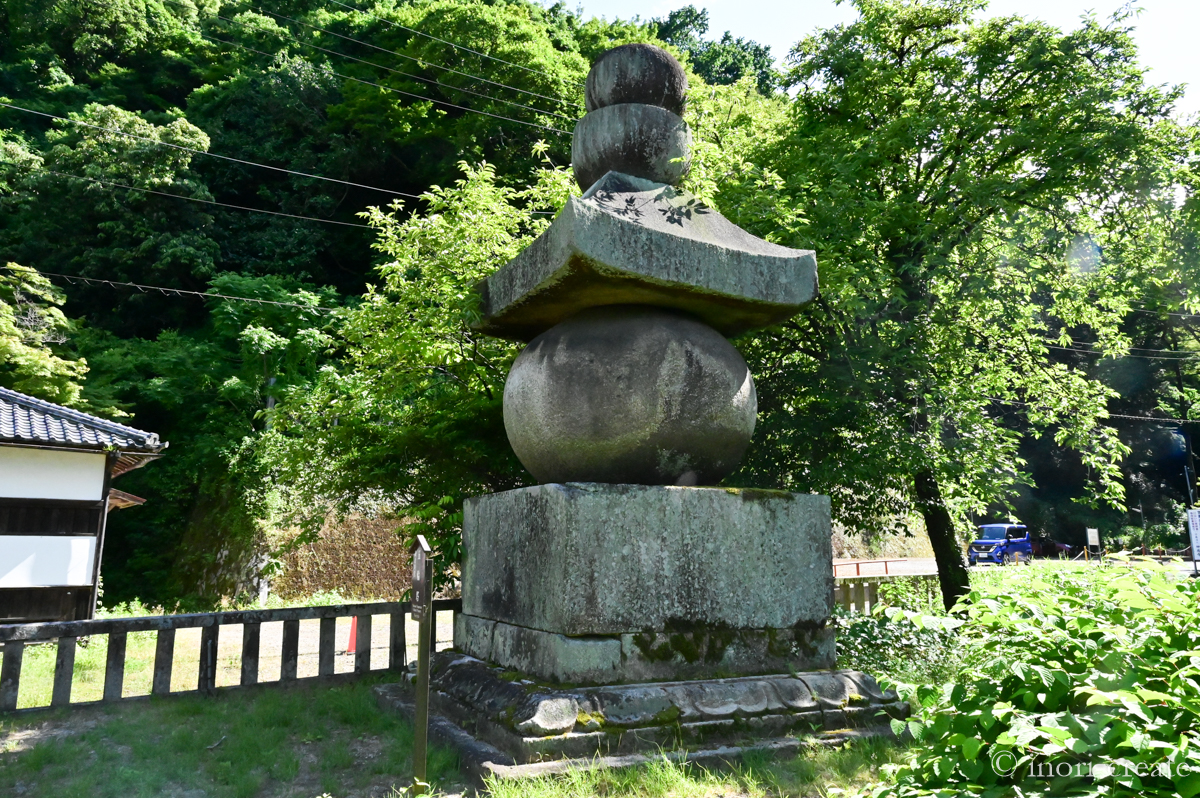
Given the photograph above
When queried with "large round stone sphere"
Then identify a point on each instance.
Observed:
(636, 73)
(630, 394)
(640, 140)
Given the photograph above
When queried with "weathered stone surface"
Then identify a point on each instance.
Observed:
(630, 394)
(636, 73)
(594, 559)
(532, 721)
(611, 659)
(632, 241)
(633, 138)
(552, 715)
(537, 652)
(489, 749)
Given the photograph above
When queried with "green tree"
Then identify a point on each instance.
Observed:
(411, 419)
(720, 62)
(942, 167)
(32, 327)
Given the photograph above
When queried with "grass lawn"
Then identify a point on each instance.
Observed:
(301, 741)
(811, 774)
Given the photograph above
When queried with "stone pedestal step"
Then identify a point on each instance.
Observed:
(480, 760)
(500, 717)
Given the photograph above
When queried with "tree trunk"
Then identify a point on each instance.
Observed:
(952, 570)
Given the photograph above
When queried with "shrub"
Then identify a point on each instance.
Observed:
(1075, 681)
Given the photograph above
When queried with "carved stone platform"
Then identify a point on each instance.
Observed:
(504, 719)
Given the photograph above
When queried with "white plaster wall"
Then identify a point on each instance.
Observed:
(46, 560)
(47, 474)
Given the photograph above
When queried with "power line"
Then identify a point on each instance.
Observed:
(419, 60)
(1140, 348)
(206, 202)
(1166, 313)
(1108, 415)
(400, 91)
(203, 152)
(1139, 357)
(72, 278)
(430, 81)
(458, 46)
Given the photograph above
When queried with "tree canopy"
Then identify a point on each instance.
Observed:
(1004, 214)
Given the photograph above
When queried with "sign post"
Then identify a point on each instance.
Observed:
(1093, 539)
(421, 613)
(1194, 536)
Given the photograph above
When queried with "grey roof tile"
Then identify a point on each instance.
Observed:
(24, 419)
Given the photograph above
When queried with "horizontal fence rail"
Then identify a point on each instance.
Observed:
(15, 637)
(861, 593)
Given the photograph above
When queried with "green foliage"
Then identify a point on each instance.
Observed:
(31, 326)
(207, 376)
(899, 645)
(413, 416)
(1071, 675)
(722, 62)
(942, 168)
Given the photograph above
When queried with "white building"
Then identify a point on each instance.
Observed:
(56, 470)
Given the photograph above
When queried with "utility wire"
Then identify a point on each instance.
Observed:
(73, 278)
(430, 81)
(206, 202)
(1139, 357)
(419, 60)
(457, 46)
(202, 152)
(400, 91)
(1109, 415)
(1166, 313)
(1135, 348)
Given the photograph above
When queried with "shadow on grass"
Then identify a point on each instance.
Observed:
(300, 741)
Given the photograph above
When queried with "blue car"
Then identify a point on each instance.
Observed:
(1001, 544)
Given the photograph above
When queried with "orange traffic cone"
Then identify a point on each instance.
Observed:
(352, 647)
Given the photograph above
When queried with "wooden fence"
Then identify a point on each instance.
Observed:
(861, 593)
(14, 638)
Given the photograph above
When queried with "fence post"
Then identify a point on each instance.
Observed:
(206, 681)
(10, 675)
(251, 635)
(362, 653)
(398, 650)
(64, 670)
(164, 662)
(325, 646)
(114, 667)
(291, 651)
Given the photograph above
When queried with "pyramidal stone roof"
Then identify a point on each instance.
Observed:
(26, 420)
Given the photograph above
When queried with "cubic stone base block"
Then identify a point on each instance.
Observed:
(597, 583)
(646, 656)
(533, 722)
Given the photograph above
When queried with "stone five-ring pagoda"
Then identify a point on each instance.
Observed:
(617, 605)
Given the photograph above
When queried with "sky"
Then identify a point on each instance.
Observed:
(1166, 29)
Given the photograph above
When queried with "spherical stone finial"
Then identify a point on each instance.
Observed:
(637, 73)
(630, 394)
(636, 139)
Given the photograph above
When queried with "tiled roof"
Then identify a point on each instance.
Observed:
(24, 419)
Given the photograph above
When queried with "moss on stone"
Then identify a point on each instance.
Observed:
(590, 721)
(671, 714)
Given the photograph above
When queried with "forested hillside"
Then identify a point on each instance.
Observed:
(1005, 219)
